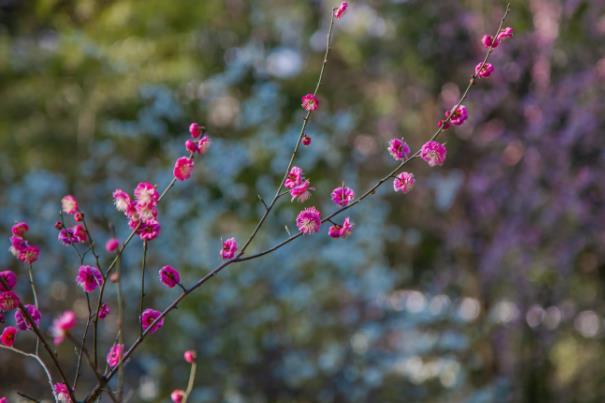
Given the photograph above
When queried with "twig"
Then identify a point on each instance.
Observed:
(190, 382)
(35, 357)
(141, 302)
(32, 283)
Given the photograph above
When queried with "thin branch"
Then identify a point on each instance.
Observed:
(142, 300)
(35, 357)
(32, 284)
(191, 381)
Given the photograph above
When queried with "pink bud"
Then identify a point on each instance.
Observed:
(177, 396)
(112, 245)
(196, 130)
(190, 356)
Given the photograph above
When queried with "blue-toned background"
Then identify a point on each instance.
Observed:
(485, 284)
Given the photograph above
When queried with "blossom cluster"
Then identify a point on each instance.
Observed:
(20, 247)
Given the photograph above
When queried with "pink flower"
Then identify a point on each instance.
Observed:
(104, 310)
(398, 149)
(8, 280)
(190, 356)
(484, 70)
(310, 102)
(150, 230)
(62, 393)
(506, 33)
(146, 194)
(341, 231)
(67, 236)
(78, 216)
(146, 212)
(8, 336)
(112, 245)
(302, 191)
(4, 399)
(342, 196)
(229, 249)
(122, 201)
(62, 325)
(89, 278)
(195, 130)
(20, 229)
(22, 322)
(148, 317)
(80, 233)
(177, 396)
(404, 182)
(114, 356)
(8, 301)
(308, 221)
(169, 276)
(69, 204)
(338, 13)
(203, 144)
(29, 255)
(490, 42)
(434, 153)
(459, 115)
(192, 146)
(183, 168)
(295, 176)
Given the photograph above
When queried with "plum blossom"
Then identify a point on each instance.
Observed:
(341, 231)
(114, 356)
(302, 191)
(342, 8)
(69, 204)
(62, 325)
(169, 276)
(229, 249)
(404, 182)
(146, 194)
(196, 130)
(89, 278)
(177, 396)
(294, 177)
(484, 70)
(342, 196)
(190, 356)
(8, 301)
(22, 322)
(19, 229)
(310, 102)
(458, 116)
(183, 168)
(121, 200)
(148, 317)
(62, 393)
(8, 336)
(434, 153)
(8, 280)
(399, 149)
(112, 245)
(104, 310)
(308, 221)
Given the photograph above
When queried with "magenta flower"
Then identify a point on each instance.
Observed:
(8, 280)
(295, 176)
(177, 396)
(399, 149)
(342, 196)
(80, 233)
(112, 245)
(19, 229)
(114, 356)
(339, 12)
(301, 191)
(146, 194)
(490, 42)
(484, 70)
(506, 33)
(69, 204)
(62, 325)
(434, 153)
(190, 356)
(459, 116)
(104, 310)
(121, 200)
(341, 231)
(21, 320)
(8, 336)
(229, 248)
(148, 231)
(183, 168)
(306, 140)
(148, 317)
(8, 301)
(203, 144)
(89, 278)
(310, 102)
(4, 399)
(404, 182)
(308, 221)
(62, 393)
(146, 212)
(169, 276)
(192, 146)
(67, 236)
(23, 251)
(195, 130)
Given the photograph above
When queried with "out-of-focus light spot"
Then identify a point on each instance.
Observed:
(552, 317)
(439, 304)
(284, 63)
(365, 144)
(223, 110)
(449, 373)
(587, 323)
(80, 307)
(505, 312)
(513, 153)
(58, 290)
(534, 316)
(148, 388)
(360, 343)
(469, 309)
(416, 302)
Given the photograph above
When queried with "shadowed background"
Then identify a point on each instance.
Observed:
(485, 284)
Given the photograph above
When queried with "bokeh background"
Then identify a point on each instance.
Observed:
(485, 284)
